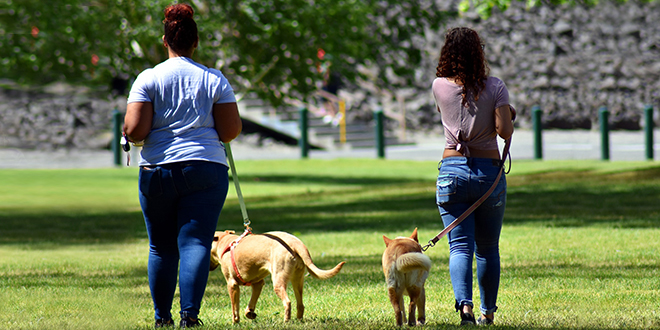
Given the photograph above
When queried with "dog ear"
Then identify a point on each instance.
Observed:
(414, 235)
(387, 241)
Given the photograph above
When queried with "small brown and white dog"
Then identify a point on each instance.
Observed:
(406, 269)
(277, 253)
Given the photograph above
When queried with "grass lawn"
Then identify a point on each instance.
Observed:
(580, 245)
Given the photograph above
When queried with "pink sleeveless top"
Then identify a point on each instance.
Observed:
(472, 126)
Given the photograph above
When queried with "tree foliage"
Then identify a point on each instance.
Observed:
(274, 45)
(77, 41)
(485, 7)
(267, 46)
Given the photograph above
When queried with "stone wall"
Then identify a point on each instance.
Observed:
(58, 116)
(572, 60)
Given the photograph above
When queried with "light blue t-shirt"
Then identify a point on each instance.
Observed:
(182, 93)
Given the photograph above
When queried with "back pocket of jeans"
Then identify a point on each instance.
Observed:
(498, 197)
(446, 187)
(149, 184)
(200, 175)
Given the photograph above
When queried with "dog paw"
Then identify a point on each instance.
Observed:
(251, 315)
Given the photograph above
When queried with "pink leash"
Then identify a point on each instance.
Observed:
(434, 240)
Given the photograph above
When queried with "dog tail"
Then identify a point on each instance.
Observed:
(324, 274)
(413, 260)
(312, 269)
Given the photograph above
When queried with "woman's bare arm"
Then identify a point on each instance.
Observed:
(503, 123)
(138, 119)
(227, 121)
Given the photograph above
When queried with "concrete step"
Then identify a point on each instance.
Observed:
(285, 123)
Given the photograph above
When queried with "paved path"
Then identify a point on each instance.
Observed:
(557, 145)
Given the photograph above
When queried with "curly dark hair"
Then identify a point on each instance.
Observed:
(180, 27)
(462, 58)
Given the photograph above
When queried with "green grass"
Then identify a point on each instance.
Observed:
(580, 245)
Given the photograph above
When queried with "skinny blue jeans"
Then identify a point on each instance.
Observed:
(461, 182)
(181, 203)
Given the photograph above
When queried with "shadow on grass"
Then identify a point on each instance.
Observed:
(627, 200)
(574, 199)
(58, 227)
(324, 179)
(50, 278)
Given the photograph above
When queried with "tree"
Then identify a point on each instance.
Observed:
(485, 7)
(80, 41)
(266, 46)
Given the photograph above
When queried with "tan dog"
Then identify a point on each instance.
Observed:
(406, 270)
(277, 253)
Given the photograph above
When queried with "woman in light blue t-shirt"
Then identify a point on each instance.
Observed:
(182, 111)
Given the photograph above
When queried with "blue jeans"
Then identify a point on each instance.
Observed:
(461, 182)
(181, 203)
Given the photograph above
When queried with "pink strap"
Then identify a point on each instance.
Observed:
(474, 206)
(233, 260)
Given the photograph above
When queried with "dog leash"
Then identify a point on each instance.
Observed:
(246, 219)
(457, 221)
(241, 201)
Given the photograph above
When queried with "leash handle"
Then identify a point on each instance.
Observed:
(457, 221)
(241, 201)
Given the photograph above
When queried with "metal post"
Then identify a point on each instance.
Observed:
(342, 122)
(303, 141)
(116, 136)
(538, 131)
(603, 115)
(648, 130)
(380, 136)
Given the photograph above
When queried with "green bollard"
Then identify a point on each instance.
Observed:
(303, 142)
(648, 130)
(604, 115)
(380, 136)
(538, 131)
(116, 130)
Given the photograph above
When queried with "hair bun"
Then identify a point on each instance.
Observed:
(178, 12)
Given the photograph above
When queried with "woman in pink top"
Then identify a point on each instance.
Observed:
(475, 110)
